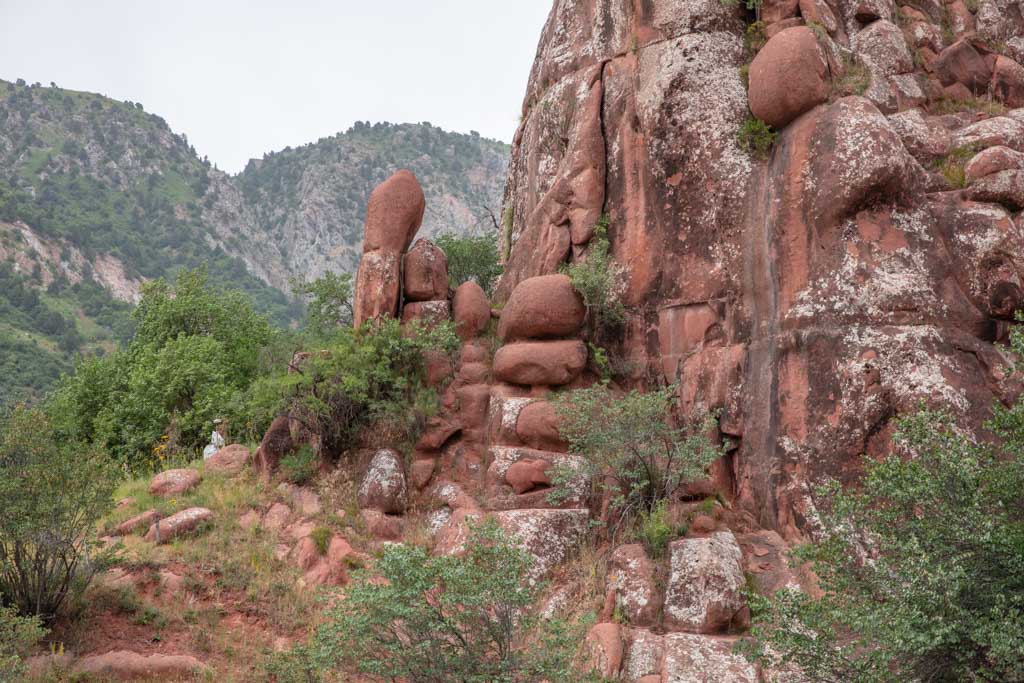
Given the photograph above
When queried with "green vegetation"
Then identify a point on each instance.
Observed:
(52, 492)
(328, 302)
(656, 529)
(952, 166)
(467, 618)
(633, 451)
(951, 105)
(17, 635)
(471, 258)
(751, 6)
(301, 466)
(194, 347)
(754, 38)
(756, 137)
(856, 79)
(599, 281)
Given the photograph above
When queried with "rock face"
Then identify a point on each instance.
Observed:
(813, 296)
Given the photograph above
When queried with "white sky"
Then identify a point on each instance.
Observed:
(241, 78)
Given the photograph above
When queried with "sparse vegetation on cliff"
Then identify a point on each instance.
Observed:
(756, 137)
(471, 257)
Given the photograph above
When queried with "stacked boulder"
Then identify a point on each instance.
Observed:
(393, 215)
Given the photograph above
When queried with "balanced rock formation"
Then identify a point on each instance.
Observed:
(393, 215)
(788, 77)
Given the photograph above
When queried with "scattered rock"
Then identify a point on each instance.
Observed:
(174, 482)
(250, 519)
(381, 526)
(178, 524)
(788, 77)
(384, 487)
(276, 518)
(228, 460)
(542, 307)
(327, 569)
(124, 665)
(142, 520)
(303, 499)
(548, 363)
(705, 583)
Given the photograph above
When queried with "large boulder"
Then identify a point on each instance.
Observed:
(962, 63)
(174, 482)
(228, 460)
(428, 314)
(471, 310)
(542, 307)
(276, 444)
(547, 363)
(788, 77)
(1008, 82)
(1004, 187)
(124, 665)
(705, 584)
(425, 272)
(378, 286)
(691, 658)
(549, 536)
(179, 524)
(884, 46)
(384, 487)
(632, 578)
(529, 475)
(141, 520)
(604, 649)
(394, 213)
(538, 427)
(993, 160)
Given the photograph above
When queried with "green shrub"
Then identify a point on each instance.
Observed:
(952, 167)
(754, 38)
(600, 282)
(52, 493)
(471, 257)
(301, 466)
(322, 538)
(328, 301)
(632, 450)
(657, 530)
(921, 566)
(467, 618)
(17, 635)
(756, 137)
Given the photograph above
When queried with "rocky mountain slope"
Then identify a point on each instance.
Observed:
(97, 196)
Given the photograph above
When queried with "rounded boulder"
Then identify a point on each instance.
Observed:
(542, 307)
(394, 213)
(788, 77)
(471, 310)
(173, 482)
(384, 488)
(426, 272)
(544, 363)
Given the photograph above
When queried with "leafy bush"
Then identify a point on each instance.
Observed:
(657, 530)
(922, 567)
(328, 302)
(600, 282)
(301, 466)
(632, 450)
(194, 347)
(17, 635)
(52, 493)
(372, 374)
(756, 137)
(450, 618)
(471, 258)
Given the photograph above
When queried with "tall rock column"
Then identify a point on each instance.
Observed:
(393, 215)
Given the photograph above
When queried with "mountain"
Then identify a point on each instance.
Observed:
(97, 196)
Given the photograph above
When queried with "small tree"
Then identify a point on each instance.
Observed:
(459, 619)
(328, 301)
(631, 447)
(922, 569)
(17, 635)
(471, 258)
(599, 281)
(52, 493)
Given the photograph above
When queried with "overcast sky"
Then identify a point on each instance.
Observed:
(244, 77)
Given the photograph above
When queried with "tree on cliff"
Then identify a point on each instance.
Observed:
(922, 566)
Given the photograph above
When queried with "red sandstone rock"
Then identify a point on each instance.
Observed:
(421, 471)
(993, 160)
(1008, 82)
(428, 314)
(780, 26)
(542, 307)
(474, 401)
(632, 578)
(961, 63)
(378, 285)
(394, 213)
(174, 482)
(471, 310)
(788, 77)
(425, 272)
(228, 460)
(548, 535)
(604, 647)
(437, 367)
(381, 526)
(276, 444)
(138, 521)
(885, 47)
(537, 427)
(690, 657)
(705, 584)
(818, 12)
(1004, 187)
(525, 475)
(550, 363)
(327, 569)
(178, 524)
(383, 487)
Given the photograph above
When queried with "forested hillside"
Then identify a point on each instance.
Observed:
(98, 196)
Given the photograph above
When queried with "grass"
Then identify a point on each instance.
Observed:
(756, 137)
(985, 105)
(855, 81)
(952, 166)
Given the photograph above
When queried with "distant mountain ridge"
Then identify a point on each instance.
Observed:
(97, 196)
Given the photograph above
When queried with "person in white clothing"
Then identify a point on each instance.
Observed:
(216, 440)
